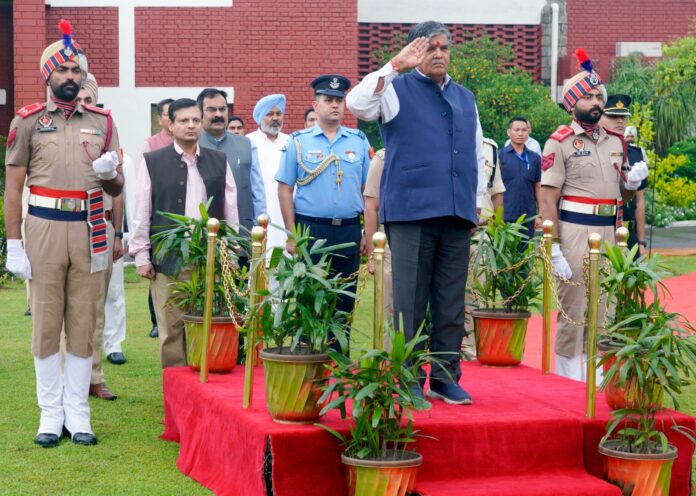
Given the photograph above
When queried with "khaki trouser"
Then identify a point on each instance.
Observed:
(570, 338)
(63, 289)
(169, 323)
(98, 336)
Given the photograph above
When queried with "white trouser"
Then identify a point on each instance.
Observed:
(576, 368)
(115, 311)
(49, 393)
(76, 375)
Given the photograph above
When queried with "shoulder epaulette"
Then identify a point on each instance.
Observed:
(491, 142)
(25, 112)
(356, 132)
(301, 131)
(562, 133)
(98, 110)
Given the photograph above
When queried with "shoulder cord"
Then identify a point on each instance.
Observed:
(312, 174)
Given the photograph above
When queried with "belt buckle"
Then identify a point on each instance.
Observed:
(605, 210)
(336, 222)
(70, 205)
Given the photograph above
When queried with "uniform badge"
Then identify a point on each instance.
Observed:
(45, 124)
(579, 146)
(95, 132)
(350, 154)
(547, 161)
(11, 138)
(334, 84)
(594, 80)
(595, 134)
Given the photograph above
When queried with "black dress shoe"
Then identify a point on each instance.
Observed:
(117, 358)
(154, 333)
(27, 312)
(46, 440)
(84, 438)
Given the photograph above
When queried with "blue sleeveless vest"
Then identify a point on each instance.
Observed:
(430, 169)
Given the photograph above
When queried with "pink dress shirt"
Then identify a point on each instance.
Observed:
(139, 246)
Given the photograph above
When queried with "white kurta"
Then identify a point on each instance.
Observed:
(270, 154)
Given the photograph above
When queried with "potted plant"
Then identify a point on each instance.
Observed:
(382, 390)
(633, 286)
(187, 239)
(299, 321)
(660, 352)
(506, 285)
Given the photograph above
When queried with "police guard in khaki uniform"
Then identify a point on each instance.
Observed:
(584, 177)
(67, 154)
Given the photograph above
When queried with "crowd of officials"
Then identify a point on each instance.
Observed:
(434, 181)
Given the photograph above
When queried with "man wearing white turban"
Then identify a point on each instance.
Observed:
(270, 143)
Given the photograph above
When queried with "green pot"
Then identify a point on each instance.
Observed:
(293, 385)
(388, 477)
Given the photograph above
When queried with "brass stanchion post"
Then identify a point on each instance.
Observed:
(379, 240)
(258, 260)
(547, 241)
(213, 227)
(622, 238)
(592, 315)
(263, 220)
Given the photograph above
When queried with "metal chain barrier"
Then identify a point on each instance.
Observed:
(230, 273)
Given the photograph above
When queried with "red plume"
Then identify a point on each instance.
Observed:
(584, 59)
(65, 27)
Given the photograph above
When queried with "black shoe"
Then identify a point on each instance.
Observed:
(46, 440)
(27, 312)
(84, 438)
(117, 358)
(154, 333)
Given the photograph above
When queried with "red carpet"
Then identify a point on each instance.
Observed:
(525, 434)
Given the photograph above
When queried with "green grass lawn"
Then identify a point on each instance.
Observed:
(130, 458)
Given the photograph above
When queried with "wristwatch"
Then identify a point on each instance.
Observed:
(643, 243)
(119, 234)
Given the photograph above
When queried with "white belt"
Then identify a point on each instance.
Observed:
(603, 210)
(64, 204)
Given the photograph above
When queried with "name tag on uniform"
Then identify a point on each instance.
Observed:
(95, 132)
(581, 153)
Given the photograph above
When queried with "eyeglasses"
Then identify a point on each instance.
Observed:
(215, 110)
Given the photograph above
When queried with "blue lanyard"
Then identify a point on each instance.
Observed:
(524, 158)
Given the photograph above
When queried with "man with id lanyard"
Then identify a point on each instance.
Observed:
(521, 171)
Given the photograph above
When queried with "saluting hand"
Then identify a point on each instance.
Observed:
(412, 54)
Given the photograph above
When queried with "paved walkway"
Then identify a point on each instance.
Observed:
(673, 240)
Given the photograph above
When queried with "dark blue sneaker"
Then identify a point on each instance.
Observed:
(449, 393)
(417, 391)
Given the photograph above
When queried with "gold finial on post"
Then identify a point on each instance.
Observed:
(547, 241)
(622, 235)
(379, 241)
(594, 241)
(263, 220)
(213, 228)
(258, 261)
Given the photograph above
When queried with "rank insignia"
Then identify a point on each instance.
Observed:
(45, 124)
(547, 161)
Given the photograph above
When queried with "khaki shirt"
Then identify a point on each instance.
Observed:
(490, 150)
(374, 175)
(579, 167)
(60, 158)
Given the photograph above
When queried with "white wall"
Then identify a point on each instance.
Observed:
(452, 11)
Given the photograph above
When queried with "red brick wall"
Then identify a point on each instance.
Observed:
(257, 46)
(96, 30)
(644, 20)
(6, 71)
(29, 39)
(525, 40)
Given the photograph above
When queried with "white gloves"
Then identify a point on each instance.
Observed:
(17, 261)
(105, 166)
(635, 176)
(559, 262)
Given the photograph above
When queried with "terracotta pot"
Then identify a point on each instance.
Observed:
(638, 474)
(500, 336)
(616, 396)
(293, 385)
(382, 477)
(223, 343)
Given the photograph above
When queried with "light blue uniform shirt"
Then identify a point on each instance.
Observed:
(323, 197)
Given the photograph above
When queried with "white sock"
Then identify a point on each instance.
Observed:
(569, 367)
(599, 374)
(77, 374)
(49, 392)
